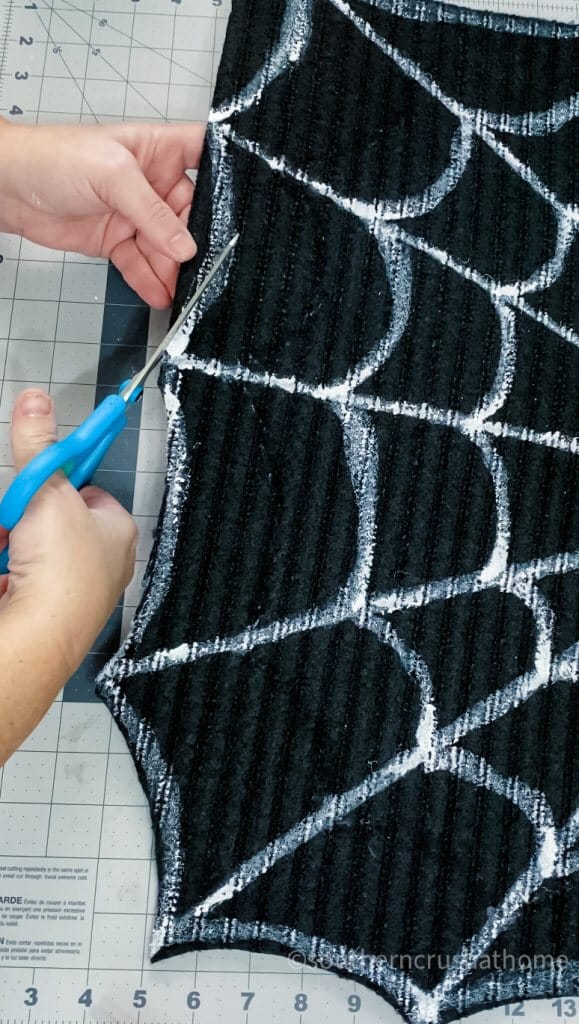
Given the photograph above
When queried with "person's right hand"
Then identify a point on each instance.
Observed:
(71, 556)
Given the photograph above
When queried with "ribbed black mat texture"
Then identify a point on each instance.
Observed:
(351, 687)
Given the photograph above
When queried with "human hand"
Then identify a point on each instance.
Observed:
(71, 556)
(115, 191)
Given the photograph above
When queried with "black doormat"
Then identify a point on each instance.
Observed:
(350, 689)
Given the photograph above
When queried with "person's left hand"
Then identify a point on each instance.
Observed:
(115, 191)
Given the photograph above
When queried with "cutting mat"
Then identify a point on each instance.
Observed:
(77, 877)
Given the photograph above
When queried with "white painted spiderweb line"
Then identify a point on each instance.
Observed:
(545, 671)
(241, 643)
(494, 289)
(472, 768)
(532, 123)
(361, 455)
(544, 276)
(173, 927)
(365, 213)
(340, 611)
(159, 780)
(414, 1001)
(178, 480)
(431, 11)
(570, 832)
(361, 452)
(549, 861)
(492, 454)
(177, 489)
(474, 117)
(398, 269)
(379, 211)
(468, 423)
(450, 587)
(500, 702)
(567, 333)
(497, 561)
(221, 231)
(333, 809)
(336, 807)
(293, 39)
(313, 949)
(527, 175)
(560, 974)
(500, 389)
(416, 668)
(545, 438)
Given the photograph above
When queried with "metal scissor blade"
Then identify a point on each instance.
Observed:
(138, 380)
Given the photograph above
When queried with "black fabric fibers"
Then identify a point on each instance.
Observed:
(351, 687)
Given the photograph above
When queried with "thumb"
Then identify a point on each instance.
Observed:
(131, 195)
(33, 425)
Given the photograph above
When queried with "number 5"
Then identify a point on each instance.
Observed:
(140, 998)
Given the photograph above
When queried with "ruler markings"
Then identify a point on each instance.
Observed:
(145, 46)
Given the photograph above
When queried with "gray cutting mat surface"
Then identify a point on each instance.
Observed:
(77, 876)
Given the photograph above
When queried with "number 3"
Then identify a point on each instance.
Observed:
(32, 994)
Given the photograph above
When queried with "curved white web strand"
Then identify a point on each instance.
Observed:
(241, 643)
(544, 276)
(335, 808)
(159, 780)
(498, 920)
(170, 926)
(498, 558)
(528, 175)
(435, 747)
(361, 450)
(501, 702)
(294, 37)
(417, 74)
(534, 123)
(477, 771)
(467, 423)
(368, 214)
(314, 949)
(570, 665)
(550, 860)
(429, 11)
(420, 1006)
(178, 485)
(380, 209)
(398, 268)
(500, 389)
(222, 230)
(332, 810)
(570, 831)
(405, 598)
(416, 668)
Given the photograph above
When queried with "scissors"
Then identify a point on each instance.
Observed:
(80, 454)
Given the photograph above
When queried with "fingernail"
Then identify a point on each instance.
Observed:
(35, 403)
(183, 246)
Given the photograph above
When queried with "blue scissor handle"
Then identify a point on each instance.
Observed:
(78, 455)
